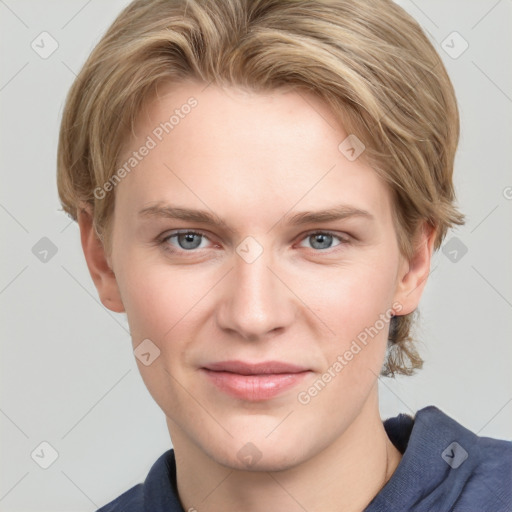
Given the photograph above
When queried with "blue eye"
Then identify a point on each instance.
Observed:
(189, 241)
(323, 240)
(186, 240)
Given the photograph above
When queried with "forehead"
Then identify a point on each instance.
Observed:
(243, 153)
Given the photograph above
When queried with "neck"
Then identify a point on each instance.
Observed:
(346, 475)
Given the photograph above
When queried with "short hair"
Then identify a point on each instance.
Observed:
(368, 59)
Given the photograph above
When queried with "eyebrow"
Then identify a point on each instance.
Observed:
(205, 217)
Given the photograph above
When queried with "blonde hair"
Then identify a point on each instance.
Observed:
(368, 59)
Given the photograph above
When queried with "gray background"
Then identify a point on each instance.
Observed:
(68, 375)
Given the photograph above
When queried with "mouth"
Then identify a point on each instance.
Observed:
(254, 381)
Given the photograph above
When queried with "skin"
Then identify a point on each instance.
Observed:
(255, 160)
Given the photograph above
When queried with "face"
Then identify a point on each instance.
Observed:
(260, 265)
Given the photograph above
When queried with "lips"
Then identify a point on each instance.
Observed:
(254, 381)
(265, 367)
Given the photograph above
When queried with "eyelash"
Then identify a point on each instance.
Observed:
(164, 241)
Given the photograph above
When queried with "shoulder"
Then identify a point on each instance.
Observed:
(158, 493)
(489, 484)
(479, 467)
(445, 466)
(485, 452)
(130, 501)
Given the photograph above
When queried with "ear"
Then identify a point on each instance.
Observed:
(413, 273)
(98, 263)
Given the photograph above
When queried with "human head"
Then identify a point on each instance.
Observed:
(368, 60)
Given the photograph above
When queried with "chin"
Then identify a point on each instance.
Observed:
(259, 455)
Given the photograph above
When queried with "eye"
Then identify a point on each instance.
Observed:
(184, 240)
(323, 240)
(189, 241)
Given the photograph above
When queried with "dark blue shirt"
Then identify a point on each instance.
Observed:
(444, 467)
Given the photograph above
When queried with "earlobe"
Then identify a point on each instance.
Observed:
(97, 263)
(414, 273)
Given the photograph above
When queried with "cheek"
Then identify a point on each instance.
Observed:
(351, 297)
(354, 302)
(163, 305)
(158, 299)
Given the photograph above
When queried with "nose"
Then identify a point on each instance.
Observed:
(255, 301)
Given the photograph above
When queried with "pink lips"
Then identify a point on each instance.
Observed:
(254, 382)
